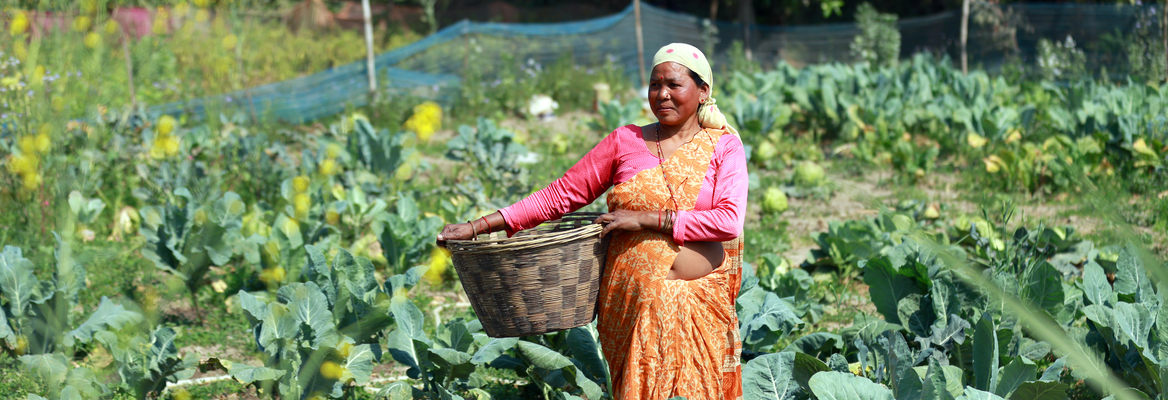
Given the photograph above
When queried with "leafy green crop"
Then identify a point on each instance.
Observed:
(186, 240)
(320, 335)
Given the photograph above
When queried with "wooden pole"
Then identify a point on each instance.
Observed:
(746, 15)
(640, 42)
(1164, 35)
(965, 36)
(369, 67)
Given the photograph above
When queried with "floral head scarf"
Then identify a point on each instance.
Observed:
(708, 115)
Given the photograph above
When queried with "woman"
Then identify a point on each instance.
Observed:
(667, 320)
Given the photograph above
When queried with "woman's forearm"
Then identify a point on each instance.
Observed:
(492, 222)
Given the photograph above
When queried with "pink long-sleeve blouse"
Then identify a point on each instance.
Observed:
(718, 215)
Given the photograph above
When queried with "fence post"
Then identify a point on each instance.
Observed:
(640, 42)
(965, 36)
(369, 49)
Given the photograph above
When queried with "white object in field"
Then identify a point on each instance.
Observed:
(603, 94)
(529, 158)
(646, 109)
(542, 106)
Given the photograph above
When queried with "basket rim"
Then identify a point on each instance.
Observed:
(523, 242)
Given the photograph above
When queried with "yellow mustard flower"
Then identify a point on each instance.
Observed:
(82, 23)
(166, 124)
(332, 217)
(426, 120)
(88, 6)
(19, 24)
(92, 40)
(182, 8)
(43, 143)
(202, 15)
(27, 144)
(23, 163)
(202, 3)
(31, 180)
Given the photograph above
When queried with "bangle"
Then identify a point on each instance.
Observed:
(658, 220)
(473, 229)
(487, 229)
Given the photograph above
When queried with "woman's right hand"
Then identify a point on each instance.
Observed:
(461, 231)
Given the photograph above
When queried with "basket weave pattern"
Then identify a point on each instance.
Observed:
(542, 280)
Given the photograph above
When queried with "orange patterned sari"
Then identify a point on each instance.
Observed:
(662, 337)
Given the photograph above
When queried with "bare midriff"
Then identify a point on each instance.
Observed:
(696, 259)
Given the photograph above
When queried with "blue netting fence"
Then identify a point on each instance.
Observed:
(433, 67)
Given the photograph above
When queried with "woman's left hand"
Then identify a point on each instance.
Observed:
(627, 220)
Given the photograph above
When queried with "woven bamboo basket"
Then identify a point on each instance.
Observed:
(541, 280)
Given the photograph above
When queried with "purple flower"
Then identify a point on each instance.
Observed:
(228, 99)
(435, 87)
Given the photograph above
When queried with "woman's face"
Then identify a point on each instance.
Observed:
(674, 97)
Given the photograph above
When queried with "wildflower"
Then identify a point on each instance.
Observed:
(202, 15)
(332, 217)
(82, 23)
(202, 3)
(19, 24)
(182, 8)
